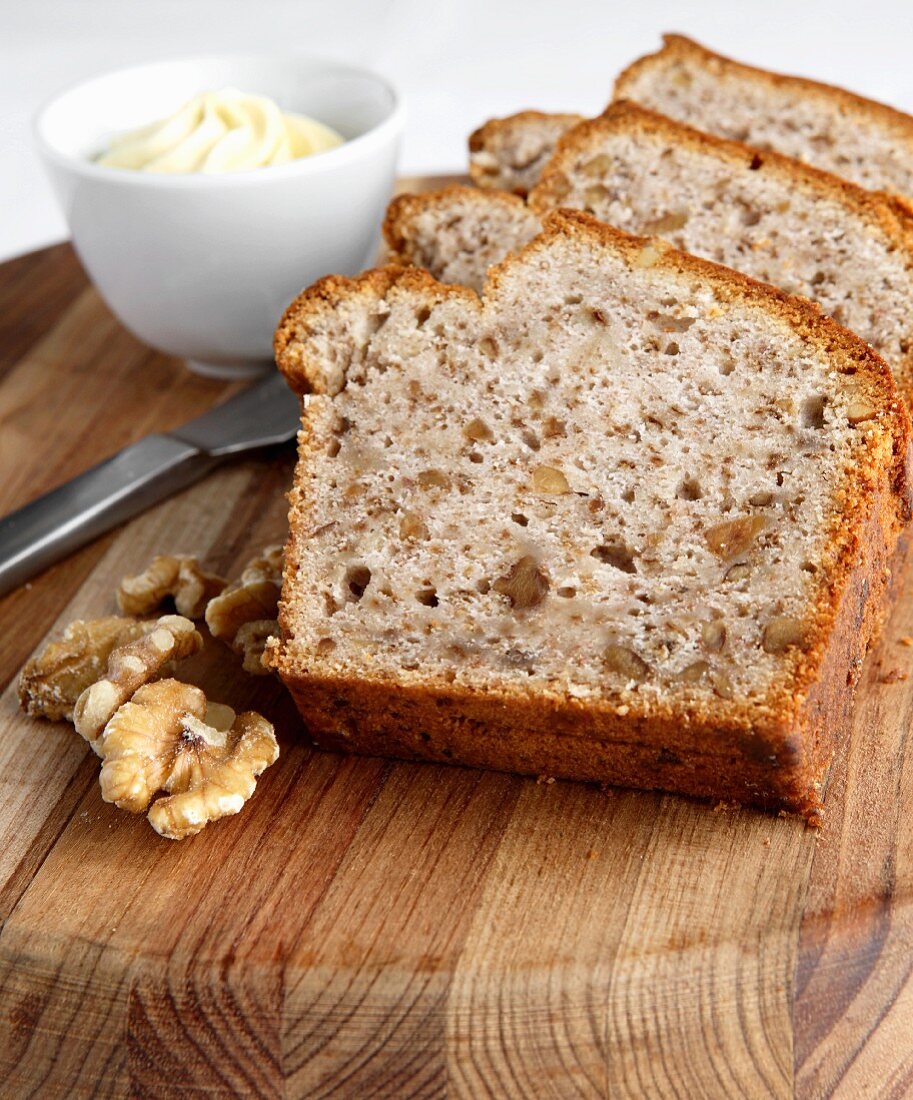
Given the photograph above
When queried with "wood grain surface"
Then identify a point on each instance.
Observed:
(372, 929)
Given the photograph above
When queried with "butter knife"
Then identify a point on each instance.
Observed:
(36, 536)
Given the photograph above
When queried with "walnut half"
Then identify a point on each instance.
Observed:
(254, 595)
(171, 638)
(52, 681)
(177, 577)
(206, 759)
(244, 615)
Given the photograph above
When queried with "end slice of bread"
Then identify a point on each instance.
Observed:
(627, 518)
(777, 220)
(866, 142)
(507, 154)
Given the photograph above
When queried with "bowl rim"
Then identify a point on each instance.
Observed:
(316, 164)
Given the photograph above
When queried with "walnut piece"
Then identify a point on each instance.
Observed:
(860, 411)
(627, 663)
(733, 537)
(433, 479)
(169, 576)
(171, 638)
(525, 585)
(412, 526)
(254, 596)
(713, 636)
(694, 673)
(250, 642)
(206, 758)
(478, 431)
(782, 633)
(52, 681)
(550, 481)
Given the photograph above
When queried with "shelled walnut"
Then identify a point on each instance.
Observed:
(166, 739)
(174, 576)
(52, 681)
(171, 638)
(253, 596)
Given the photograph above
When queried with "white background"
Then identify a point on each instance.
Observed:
(457, 61)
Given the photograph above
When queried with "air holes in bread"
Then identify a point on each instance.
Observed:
(616, 554)
(689, 489)
(358, 577)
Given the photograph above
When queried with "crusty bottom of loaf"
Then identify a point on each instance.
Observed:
(419, 725)
(776, 768)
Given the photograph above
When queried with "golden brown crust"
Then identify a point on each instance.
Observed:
(772, 752)
(678, 45)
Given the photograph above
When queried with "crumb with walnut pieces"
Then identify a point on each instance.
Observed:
(52, 681)
(253, 596)
(206, 759)
(175, 576)
(171, 638)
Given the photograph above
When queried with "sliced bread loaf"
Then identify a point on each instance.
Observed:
(769, 216)
(856, 138)
(627, 518)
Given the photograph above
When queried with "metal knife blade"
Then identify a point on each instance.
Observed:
(34, 537)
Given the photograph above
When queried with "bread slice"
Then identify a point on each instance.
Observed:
(866, 142)
(507, 154)
(766, 215)
(863, 141)
(627, 518)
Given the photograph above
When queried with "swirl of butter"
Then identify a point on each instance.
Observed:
(224, 131)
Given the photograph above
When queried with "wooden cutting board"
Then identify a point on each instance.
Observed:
(372, 929)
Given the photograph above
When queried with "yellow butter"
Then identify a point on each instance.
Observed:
(223, 131)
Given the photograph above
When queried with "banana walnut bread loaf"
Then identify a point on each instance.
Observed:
(628, 518)
(766, 215)
(856, 138)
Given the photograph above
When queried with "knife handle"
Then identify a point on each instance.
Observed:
(68, 517)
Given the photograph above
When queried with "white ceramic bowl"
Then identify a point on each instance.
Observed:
(202, 266)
